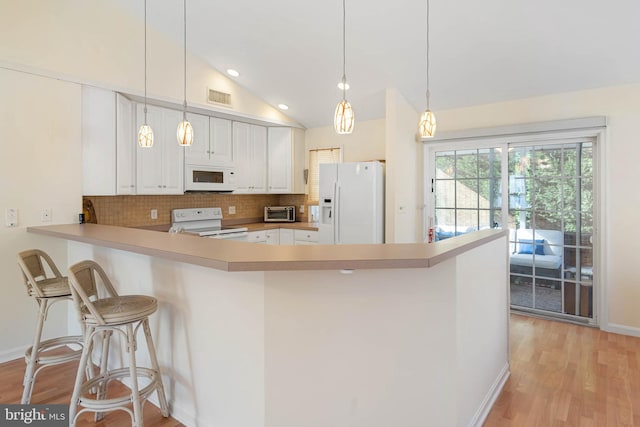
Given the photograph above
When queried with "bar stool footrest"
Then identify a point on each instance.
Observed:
(54, 343)
(107, 404)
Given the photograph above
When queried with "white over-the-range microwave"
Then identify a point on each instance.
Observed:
(209, 178)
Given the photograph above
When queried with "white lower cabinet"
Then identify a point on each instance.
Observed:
(283, 236)
(257, 237)
(305, 237)
(286, 236)
(273, 237)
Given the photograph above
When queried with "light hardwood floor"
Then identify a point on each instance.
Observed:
(569, 375)
(55, 384)
(561, 375)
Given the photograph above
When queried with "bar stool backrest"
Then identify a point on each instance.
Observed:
(86, 278)
(33, 270)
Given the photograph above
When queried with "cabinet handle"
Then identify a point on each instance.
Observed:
(159, 186)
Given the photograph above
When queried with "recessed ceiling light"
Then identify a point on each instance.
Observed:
(232, 72)
(283, 106)
(346, 86)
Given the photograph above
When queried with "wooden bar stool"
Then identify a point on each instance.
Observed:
(103, 313)
(46, 291)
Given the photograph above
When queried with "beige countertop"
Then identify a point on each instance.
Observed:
(241, 256)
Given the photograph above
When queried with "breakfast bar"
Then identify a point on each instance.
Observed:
(323, 335)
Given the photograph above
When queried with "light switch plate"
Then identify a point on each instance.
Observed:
(11, 217)
(154, 213)
(232, 210)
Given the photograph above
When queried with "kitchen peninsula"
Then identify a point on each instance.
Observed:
(279, 336)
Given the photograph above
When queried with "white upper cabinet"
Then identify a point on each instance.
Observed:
(160, 169)
(250, 154)
(279, 160)
(98, 141)
(220, 142)
(198, 152)
(212, 144)
(285, 160)
(126, 143)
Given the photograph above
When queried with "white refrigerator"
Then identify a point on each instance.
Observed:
(351, 203)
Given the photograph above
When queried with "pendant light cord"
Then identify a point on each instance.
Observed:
(184, 114)
(145, 62)
(428, 54)
(344, 49)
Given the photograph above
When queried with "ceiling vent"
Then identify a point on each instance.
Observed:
(219, 98)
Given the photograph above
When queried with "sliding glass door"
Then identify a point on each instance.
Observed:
(548, 207)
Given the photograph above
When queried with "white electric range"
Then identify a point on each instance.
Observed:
(205, 222)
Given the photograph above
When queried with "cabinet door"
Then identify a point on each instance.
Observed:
(273, 237)
(172, 153)
(98, 141)
(259, 158)
(126, 143)
(286, 236)
(257, 237)
(149, 159)
(198, 153)
(242, 156)
(220, 142)
(160, 169)
(279, 160)
(305, 237)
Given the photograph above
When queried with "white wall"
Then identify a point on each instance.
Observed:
(94, 41)
(39, 168)
(403, 173)
(364, 144)
(622, 199)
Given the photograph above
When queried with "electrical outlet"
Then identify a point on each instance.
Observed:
(301, 208)
(232, 210)
(11, 217)
(154, 213)
(46, 215)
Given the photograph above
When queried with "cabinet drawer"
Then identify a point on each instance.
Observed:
(305, 235)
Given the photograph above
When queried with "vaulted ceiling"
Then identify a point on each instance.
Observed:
(290, 51)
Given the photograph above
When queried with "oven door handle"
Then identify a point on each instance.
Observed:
(230, 235)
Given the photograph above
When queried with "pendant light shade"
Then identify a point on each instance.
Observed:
(185, 130)
(145, 133)
(343, 120)
(145, 136)
(185, 133)
(344, 117)
(427, 125)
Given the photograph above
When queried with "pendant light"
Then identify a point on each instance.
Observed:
(185, 130)
(427, 126)
(145, 134)
(344, 117)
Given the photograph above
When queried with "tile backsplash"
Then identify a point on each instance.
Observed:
(133, 211)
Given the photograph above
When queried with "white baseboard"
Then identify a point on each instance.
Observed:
(12, 354)
(487, 403)
(621, 329)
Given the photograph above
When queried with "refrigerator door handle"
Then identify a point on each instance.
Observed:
(333, 212)
(337, 220)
